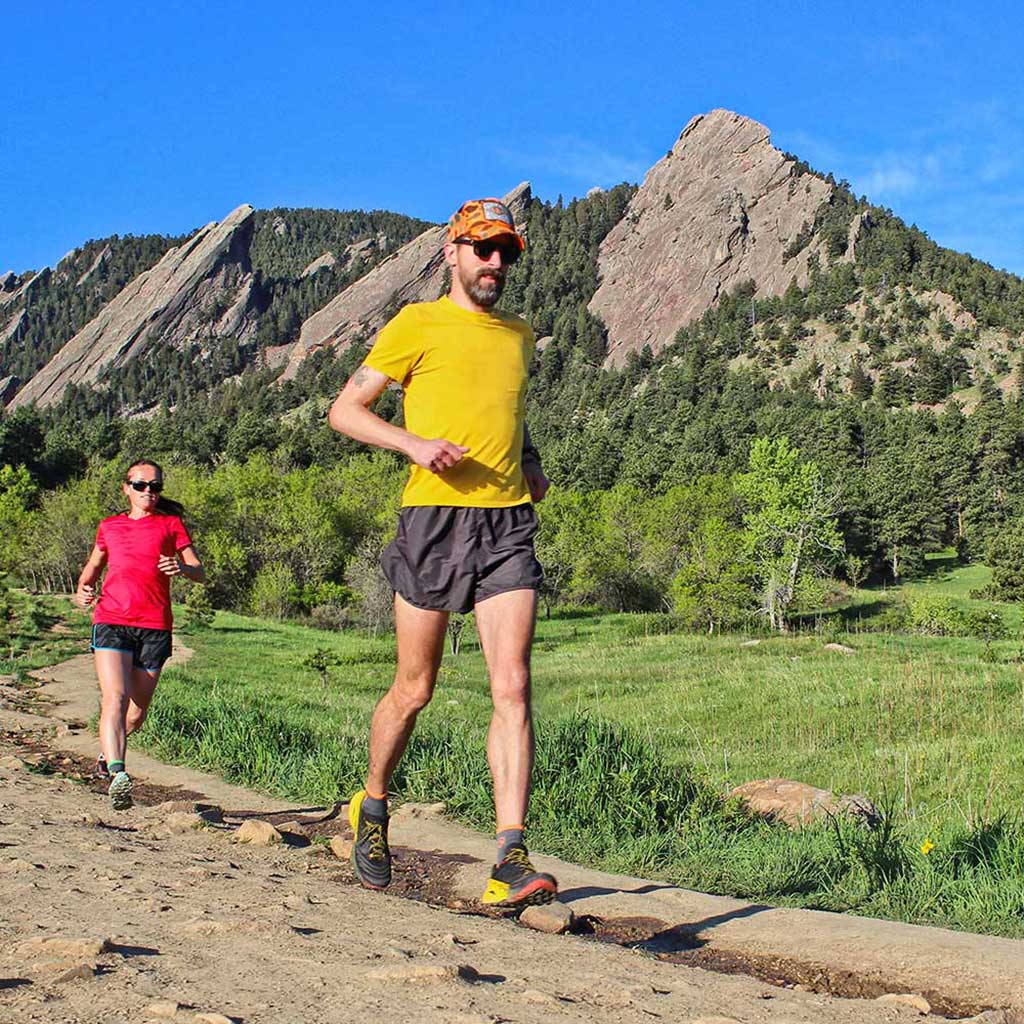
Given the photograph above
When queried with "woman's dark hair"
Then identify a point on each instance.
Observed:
(165, 506)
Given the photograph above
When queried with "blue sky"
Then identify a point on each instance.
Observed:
(140, 117)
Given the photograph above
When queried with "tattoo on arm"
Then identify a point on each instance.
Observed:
(365, 375)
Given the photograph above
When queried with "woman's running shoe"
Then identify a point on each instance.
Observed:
(515, 882)
(120, 791)
(102, 771)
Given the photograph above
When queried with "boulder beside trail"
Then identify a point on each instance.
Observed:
(797, 803)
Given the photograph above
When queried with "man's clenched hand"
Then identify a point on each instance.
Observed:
(436, 455)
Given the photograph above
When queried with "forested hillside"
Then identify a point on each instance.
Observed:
(887, 391)
(59, 303)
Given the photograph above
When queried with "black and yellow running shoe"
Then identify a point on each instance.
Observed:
(371, 857)
(515, 882)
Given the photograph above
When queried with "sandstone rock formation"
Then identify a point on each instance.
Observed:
(101, 258)
(415, 273)
(722, 207)
(8, 387)
(14, 327)
(26, 290)
(322, 262)
(204, 287)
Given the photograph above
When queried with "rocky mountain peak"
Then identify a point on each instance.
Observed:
(201, 288)
(414, 273)
(722, 207)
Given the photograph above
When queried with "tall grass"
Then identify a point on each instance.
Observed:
(605, 795)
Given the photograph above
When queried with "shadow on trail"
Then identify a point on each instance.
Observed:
(654, 936)
(583, 892)
(128, 951)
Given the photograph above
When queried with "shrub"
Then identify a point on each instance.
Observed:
(985, 624)
(333, 617)
(273, 592)
(199, 611)
(935, 615)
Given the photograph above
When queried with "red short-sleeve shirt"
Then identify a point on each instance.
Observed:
(135, 591)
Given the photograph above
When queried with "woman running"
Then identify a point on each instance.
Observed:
(131, 634)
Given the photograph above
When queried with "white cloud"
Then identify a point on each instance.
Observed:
(892, 180)
(579, 160)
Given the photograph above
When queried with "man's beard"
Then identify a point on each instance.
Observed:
(485, 293)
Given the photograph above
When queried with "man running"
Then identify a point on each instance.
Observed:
(465, 532)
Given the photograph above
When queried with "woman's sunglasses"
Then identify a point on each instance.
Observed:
(141, 485)
(487, 247)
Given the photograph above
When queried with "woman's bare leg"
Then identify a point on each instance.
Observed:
(114, 671)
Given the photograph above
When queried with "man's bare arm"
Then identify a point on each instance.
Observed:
(351, 414)
(533, 472)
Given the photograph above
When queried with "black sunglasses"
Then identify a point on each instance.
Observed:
(140, 485)
(485, 248)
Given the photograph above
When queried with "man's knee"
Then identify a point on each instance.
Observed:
(510, 691)
(412, 691)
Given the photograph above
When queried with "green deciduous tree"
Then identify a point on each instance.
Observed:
(791, 524)
(713, 588)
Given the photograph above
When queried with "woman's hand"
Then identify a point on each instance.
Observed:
(85, 596)
(169, 566)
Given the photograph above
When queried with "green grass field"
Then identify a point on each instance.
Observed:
(37, 631)
(640, 736)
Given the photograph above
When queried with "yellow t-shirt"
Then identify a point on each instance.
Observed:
(463, 375)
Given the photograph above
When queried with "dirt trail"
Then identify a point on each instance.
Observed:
(184, 922)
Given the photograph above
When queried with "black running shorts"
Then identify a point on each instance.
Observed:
(149, 648)
(449, 559)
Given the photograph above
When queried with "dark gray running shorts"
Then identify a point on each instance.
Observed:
(149, 648)
(449, 559)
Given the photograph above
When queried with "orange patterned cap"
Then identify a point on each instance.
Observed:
(483, 218)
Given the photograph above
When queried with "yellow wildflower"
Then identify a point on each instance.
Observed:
(927, 846)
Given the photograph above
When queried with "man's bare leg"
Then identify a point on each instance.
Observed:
(420, 634)
(505, 623)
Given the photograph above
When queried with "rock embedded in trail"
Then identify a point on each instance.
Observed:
(553, 918)
(77, 973)
(425, 974)
(909, 999)
(68, 949)
(536, 997)
(18, 864)
(165, 1008)
(341, 847)
(182, 822)
(258, 833)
